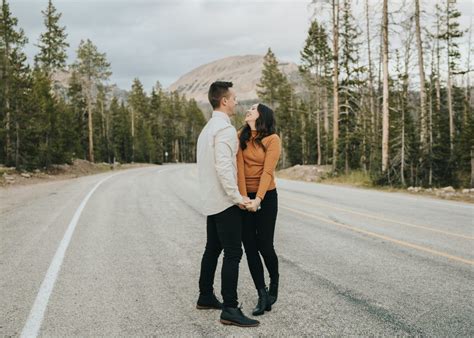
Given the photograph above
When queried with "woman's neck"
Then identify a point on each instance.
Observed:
(252, 125)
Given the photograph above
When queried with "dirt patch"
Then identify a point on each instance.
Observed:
(10, 176)
(307, 173)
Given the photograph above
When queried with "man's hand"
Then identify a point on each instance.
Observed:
(254, 204)
(247, 201)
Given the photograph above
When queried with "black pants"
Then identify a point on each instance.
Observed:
(258, 231)
(224, 232)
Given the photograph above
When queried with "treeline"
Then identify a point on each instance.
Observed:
(44, 123)
(362, 109)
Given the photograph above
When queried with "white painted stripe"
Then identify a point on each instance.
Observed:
(35, 318)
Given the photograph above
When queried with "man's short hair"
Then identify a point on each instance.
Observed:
(217, 91)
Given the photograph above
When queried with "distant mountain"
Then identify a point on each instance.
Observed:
(243, 71)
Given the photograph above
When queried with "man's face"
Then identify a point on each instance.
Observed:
(230, 101)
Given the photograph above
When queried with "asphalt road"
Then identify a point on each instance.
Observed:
(352, 261)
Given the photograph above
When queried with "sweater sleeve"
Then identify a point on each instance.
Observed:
(224, 163)
(241, 173)
(272, 155)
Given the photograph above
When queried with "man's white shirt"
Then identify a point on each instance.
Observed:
(217, 148)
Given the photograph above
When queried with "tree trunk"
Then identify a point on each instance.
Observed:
(326, 122)
(318, 134)
(17, 145)
(472, 167)
(335, 19)
(371, 88)
(133, 134)
(467, 88)
(385, 122)
(403, 100)
(402, 167)
(449, 84)
(421, 68)
(346, 136)
(430, 123)
(8, 146)
(90, 126)
(363, 158)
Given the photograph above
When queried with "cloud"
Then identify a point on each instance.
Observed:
(161, 40)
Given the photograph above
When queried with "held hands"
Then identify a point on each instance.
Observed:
(254, 205)
(250, 205)
(247, 201)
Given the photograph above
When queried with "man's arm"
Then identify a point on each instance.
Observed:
(223, 155)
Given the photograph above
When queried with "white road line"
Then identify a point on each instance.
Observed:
(35, 318)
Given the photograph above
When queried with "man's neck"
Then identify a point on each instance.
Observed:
(223, 111)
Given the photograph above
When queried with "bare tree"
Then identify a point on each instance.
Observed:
(449, 84)
(421, 68)
(385, 121)
(371, 83)
(335, 32)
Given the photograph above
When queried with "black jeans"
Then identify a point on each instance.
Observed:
(258, 231)
(224, 232)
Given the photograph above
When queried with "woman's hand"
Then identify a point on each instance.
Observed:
(254, 205)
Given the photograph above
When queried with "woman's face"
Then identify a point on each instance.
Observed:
(252, 114)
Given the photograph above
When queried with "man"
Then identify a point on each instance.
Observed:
(216, 160)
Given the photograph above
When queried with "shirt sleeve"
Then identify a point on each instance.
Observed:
(241, 172)
(272, 155)
(224, 141)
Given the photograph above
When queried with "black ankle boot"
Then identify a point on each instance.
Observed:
(273, 293)
(234, 316)
(263, 303)
(208, 302)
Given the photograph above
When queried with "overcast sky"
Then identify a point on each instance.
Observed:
(164, 39)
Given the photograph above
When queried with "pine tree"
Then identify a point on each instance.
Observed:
(286, 113)
(138, 104)
(121, 138)
(350, 111)
(101, 126)
(267, 88)
(421, 67)
(77, 107)
(13, 71)
(52, 43)
(450, 34)
(92, 68)
(315, 68)
(195, 121)
(275, 89)
(156, 114)
(295, 134)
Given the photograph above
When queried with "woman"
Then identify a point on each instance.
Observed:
(257, 158)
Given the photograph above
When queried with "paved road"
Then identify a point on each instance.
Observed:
(353, 261)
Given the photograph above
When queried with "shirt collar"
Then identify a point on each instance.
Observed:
(222, 115)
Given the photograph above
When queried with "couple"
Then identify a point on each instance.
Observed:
(239, 198)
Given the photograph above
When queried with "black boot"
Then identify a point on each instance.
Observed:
(208, 302)
(263, 303)
(273, 293)
(234, 316)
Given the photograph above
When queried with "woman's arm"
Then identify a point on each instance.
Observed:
(272, 155)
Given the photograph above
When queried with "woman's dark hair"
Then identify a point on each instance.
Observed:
(265, 125)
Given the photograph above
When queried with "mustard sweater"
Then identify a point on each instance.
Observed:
(256, 167)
